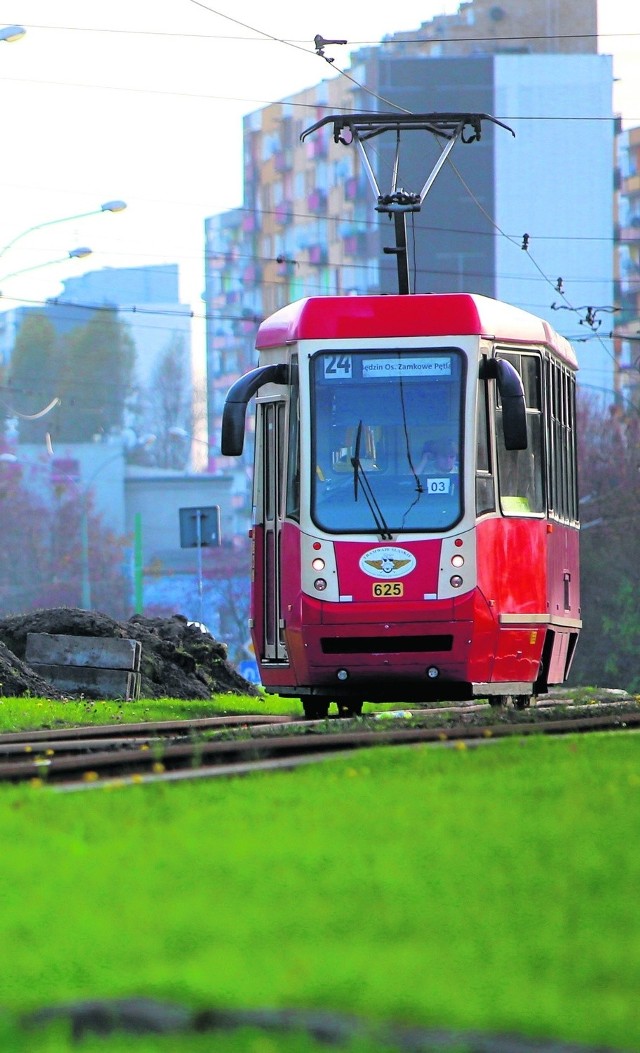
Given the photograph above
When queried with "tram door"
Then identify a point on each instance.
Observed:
(272, 446)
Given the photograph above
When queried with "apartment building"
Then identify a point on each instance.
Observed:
(527, 219)
(627, 298)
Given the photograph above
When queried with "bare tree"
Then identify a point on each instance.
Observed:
(609, 469)
(167, 406)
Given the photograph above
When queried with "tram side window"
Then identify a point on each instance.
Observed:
(485, 500)
(520, 472)
(563, 497)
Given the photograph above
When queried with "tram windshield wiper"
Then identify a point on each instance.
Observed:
(360, 476)
(355, 461)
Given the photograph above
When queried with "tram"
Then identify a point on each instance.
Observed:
(415, 510)
(415, 513)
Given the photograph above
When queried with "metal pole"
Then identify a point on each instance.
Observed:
(199, 546)
(400, 222)
(138, 601)
(84, 555)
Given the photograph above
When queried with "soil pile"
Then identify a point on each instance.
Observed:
(178, 659)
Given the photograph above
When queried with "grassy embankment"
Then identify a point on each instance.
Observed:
(19, 714)
(491, 889)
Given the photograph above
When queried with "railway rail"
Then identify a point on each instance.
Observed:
(113, 755)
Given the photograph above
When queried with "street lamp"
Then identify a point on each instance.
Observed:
(73, 254)
(11, 33)
(112, 206)
(108, 206)
(179, 434)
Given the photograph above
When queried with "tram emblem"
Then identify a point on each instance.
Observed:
(387, 561)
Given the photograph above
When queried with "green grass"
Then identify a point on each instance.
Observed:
(21, 714)
(491, 889)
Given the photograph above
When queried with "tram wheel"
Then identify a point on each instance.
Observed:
(349, 709)
(521, 701)
(517, 701)
(316, 708)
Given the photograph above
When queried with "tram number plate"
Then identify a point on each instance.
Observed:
(439, 486)
(388, 588)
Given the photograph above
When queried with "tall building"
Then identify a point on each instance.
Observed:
(627, 319)
(527, 219)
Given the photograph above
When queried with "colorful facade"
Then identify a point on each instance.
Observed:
(308, 225)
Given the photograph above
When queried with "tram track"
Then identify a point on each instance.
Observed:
(111, 755)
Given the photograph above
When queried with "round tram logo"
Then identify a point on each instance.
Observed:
(387, 561)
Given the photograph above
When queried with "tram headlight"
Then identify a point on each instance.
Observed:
(433, 672)
(318, 564)
(457, 560)
(455, 582)
(320, 584)
(342, 674)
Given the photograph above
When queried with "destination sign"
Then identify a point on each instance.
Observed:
(374, 368)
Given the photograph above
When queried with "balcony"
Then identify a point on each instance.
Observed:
(283, 212)
(316, 147)
(283, 160)
(318, 254)
(630, 233)
(317, 201)
(356, 245)
(631, 185)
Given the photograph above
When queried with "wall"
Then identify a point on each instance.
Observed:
(157, 497)
(556, 184)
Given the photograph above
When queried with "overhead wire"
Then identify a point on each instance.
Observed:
(262, 34)
(525, 245)
(281, 40)
(311, 106)
(558, 286)
(387, 40)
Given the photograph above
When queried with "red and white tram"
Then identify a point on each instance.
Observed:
(415, 528)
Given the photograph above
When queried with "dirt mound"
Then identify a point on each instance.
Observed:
(178, 659)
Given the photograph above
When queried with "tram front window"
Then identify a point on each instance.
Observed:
(386, 440)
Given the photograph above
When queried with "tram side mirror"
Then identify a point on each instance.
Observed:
(233, 422)
(235, 407)
(514, 415)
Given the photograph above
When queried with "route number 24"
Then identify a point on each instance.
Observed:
(337, 367)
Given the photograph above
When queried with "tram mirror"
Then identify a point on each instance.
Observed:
(237, 400)
(232, 437)
(514, 426)
(514, 415)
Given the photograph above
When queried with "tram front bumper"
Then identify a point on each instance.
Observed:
(382, 652)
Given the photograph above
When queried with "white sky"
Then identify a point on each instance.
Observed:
(143, 100)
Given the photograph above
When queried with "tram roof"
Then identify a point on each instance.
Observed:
(431, 314)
